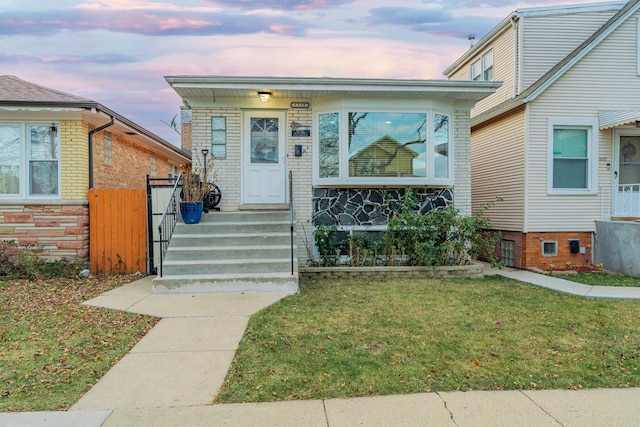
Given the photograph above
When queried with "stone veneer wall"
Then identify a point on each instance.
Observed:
(62, 231)
(371, 206)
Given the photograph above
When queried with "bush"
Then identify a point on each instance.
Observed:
(441, 237)
(27, 264)
(326, 240)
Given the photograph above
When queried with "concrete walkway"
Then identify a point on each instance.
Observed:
(171, 376)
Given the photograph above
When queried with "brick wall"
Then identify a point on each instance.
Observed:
(302, 170)
(229, 169)
(462, 162)
(528, 249)
(74, 157)
(62, 231)
(129, 164)
(533, 250)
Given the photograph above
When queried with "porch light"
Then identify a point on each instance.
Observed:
(264, 96)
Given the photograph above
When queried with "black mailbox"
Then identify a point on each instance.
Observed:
(574, 246)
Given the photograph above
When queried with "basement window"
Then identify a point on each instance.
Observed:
(549, 248)
(508, 253)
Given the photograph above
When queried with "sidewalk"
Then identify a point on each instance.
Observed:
(171, 376)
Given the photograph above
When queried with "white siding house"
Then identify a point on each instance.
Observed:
(319, 130)
(564, 149)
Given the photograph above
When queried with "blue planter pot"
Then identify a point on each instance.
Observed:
(191, 212)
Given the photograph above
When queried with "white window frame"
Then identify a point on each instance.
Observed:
(219, 131)
(343, 177)
(484, 66)
(591, 125)
(24, 188)
(108, 148)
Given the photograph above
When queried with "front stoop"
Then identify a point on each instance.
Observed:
(230, 252)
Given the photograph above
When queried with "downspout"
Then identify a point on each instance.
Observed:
(91, 132)
(515, 56)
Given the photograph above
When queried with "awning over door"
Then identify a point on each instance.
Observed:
(612, 118)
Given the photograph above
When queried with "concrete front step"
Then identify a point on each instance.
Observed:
(228, 252)
(228, 240)
(231, 252)
(228, 283)
(221, 267)
(216, 228)
(248, 216)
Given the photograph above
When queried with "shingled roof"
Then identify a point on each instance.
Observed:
(13, 89)
(18, 93)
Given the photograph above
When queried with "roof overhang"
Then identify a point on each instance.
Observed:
(97, 115)
(608, 119)
(213, 88)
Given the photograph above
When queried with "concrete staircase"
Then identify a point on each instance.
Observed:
(230, 252)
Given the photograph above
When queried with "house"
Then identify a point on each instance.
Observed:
(384, 157)
(347, 146)
(559, 141)
(54, 147)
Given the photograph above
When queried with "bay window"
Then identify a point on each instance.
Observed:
(359, 146)
(29, 160)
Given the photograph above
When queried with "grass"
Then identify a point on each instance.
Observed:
(52, 348)
(601, 279)
(362, 336)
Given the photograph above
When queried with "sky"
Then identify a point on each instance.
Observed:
(117, 52)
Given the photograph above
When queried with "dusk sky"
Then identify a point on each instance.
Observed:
(117, 52)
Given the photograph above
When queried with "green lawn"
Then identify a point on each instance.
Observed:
(358, 337)
(601, 279)
(53, 349)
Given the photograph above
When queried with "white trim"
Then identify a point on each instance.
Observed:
(344, 179)
(25, 178)
(581, 54)
(570, 8)
(282, 197)
(591, 125)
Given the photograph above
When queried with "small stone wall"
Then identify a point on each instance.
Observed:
(473, 271)
(61, 231)
(370, 206)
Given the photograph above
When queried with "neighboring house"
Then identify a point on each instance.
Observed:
(384, 157)
(53, 148)
(350, 145)
(560, 140)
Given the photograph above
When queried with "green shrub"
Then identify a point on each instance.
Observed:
(326, 240)
(440, 237)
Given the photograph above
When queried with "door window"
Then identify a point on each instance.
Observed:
(264, 140)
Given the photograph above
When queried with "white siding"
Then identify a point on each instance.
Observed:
(497, 158)
(503, 60)
(503, 66)
(604, 80)
(548, 39)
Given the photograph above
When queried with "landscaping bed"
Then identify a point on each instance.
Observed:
(472, 271)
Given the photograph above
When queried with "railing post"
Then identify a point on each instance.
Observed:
(291, 216)
(150, 242)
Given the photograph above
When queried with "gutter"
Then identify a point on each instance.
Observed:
(90, 142)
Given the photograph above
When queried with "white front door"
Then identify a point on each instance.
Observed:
(264, 154)
(626, 175)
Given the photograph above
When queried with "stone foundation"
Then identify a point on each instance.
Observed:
(61, 231)
(370, 206)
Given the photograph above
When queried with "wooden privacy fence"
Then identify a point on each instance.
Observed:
(117, 231)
